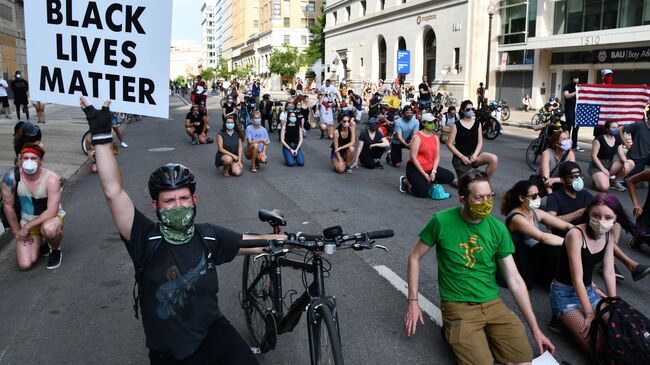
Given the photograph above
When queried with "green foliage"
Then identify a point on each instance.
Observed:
(286, 62)
(316, 50)
(222, 69)
(208, 74)
(181, 81)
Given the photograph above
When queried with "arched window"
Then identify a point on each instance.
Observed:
(430, 54)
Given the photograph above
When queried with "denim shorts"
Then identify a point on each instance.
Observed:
(564, 298)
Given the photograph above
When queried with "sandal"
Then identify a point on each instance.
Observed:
(226, 172)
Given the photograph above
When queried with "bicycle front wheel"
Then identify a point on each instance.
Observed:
(257, 303)
(505, 113)
(533, 153)
(325, 346)
(536, 119)
(85, 142)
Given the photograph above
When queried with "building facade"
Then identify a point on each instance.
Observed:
(13, 51)
(209, 18)
(447, 40)
(543, 43)
(534, 45)
(185, 58)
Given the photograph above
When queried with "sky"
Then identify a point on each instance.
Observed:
(186, 20)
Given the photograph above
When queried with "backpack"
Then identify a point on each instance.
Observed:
(625, 334)
(3, 217)
(153, 243)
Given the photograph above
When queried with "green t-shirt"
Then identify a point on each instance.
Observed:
(466, 255)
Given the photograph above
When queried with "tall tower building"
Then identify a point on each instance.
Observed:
(209, 32)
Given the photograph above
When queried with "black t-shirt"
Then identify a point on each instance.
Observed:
(367, 141)
(607, 152)
(373, 111)
(19, 87)
(228, 108)
(179, 286)
(196, 118)
(569, 104)
(426, 96)
(560, 203)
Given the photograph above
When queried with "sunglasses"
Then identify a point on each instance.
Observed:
(533, 196)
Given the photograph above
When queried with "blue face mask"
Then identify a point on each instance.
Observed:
(257, 122)
(230, 125)
(469, 114)
(613, 131)
(292, 119)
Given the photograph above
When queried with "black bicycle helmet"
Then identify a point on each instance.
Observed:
(171, 176)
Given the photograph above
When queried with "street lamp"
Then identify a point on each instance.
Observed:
(491, 10)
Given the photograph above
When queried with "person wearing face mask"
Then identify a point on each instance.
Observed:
(230, 108)
(404, 129)
(558, 151)
(32, 204)
(423, 168)
(473, 314)
(257, 139)
(573, 294)
(175, 259)
(371, 146)
(229, 148)
(639, 150)
(466, 142)
(536, 251)
(343, 145)
(20, 88)
(291, 138)
(569, 205)
(326, 106)
(604, 168)
(446, 122)
(196, 125)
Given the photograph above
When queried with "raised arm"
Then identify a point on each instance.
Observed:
(110, 176)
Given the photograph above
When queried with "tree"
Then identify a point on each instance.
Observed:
(208, 74)
(222, 69)
(286, 62)
(316, 50)
(181, 81)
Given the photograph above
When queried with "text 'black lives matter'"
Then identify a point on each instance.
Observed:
(117, 18)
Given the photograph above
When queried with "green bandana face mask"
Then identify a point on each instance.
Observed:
(480, 211)
(429, 126)
(177, 224)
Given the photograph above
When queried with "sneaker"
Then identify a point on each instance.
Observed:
(402, 184)
(195, 142)
(54, 260)
(378, 164)
(45, 249)
(556, 325)
(124, 145)
(617, 185)
(322, 135)
(579, 149)
(349, 170)
(640, 271)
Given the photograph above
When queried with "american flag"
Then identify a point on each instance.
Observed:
(596, 104)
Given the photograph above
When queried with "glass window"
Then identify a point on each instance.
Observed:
(287, 39)
(574, 16)
(303, 40)
(566, 58)
(631, 13)
(287, 22)
(610, 14)
(311, 22)
(592, 15)
(532, 17)
(457, 59)
(256, 23)
(311, 6)
(513, 23)
(559, 17)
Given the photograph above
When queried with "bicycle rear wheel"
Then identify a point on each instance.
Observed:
(325, 344)
(533, 153)
(492, 129)
(536, 119)
(257, 303)
(505, 113)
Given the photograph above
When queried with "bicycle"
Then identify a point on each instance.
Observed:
(263, 300)
(505, 110)
(540, 117)
(539, 144)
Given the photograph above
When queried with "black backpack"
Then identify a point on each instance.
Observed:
(154, 239)
(626, 334)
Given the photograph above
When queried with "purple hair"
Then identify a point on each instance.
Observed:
(614, 204)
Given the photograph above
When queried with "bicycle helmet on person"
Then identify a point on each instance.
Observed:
(171, 176)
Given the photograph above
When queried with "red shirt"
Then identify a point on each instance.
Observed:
(428, 151)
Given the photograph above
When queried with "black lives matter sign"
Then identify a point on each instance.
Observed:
(116, 50)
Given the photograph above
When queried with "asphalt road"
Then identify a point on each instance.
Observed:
(82, 312)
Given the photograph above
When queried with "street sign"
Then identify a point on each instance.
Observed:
(404, 62)
(108, 49)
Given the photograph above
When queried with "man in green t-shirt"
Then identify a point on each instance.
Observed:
(477, 324)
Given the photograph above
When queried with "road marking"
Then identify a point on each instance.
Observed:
(399, 284)
(161, 149)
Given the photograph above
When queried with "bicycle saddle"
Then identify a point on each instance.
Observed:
(275, 217)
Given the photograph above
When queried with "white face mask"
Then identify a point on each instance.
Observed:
(30, 167)
(535, 203)
(565, 145)
(601, 226)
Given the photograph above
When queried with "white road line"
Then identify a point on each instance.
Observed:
(401, 285)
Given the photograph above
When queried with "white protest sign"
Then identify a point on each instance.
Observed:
(103, 49)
